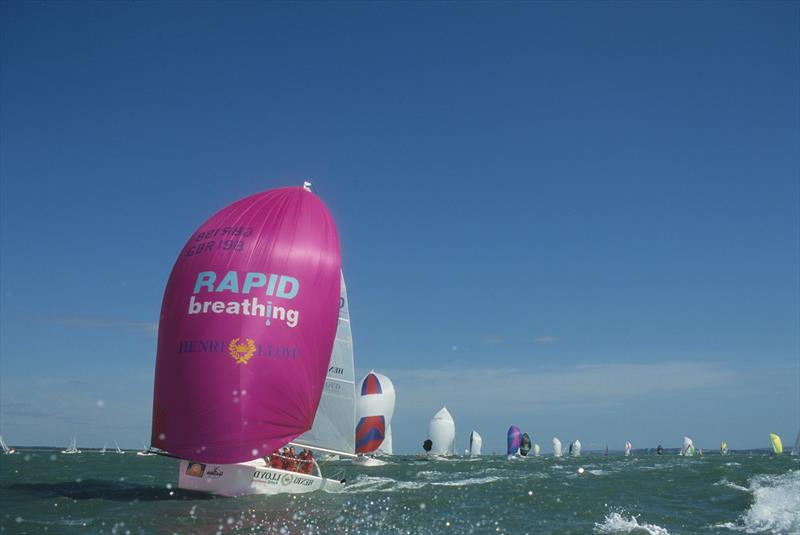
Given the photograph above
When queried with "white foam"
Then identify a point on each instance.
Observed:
(617, 523)
(464, 482)
(725, 483)
(776, 504)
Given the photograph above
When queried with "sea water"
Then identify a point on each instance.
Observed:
(47, 492)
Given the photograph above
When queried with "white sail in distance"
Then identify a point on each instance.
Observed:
(687, 449)
(475, 443)
(575, 448)
(556, 447)
(442, 432)
(628, 448)
(796, 450)
(332, 431)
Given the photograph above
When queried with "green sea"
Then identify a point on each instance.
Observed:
(46, 492)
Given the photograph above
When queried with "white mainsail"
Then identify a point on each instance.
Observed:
(537, 449)
(628, 448)
(575, 448)
(475, 443)
(332, 431)
(376, 397)
(116, 444)
(442, 432)
(103, 450)
(6, 449)
(556, 447)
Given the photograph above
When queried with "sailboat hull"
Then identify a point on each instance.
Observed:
(364, 460)
(254, 477)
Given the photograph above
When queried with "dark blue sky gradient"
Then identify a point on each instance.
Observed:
(585, 196)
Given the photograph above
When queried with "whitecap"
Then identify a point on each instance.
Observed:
(464, 482)
(776, 504)
(617, 523)
(725, 483)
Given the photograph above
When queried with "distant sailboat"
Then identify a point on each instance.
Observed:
(525, 445)
(117, 450)
(723, 448)
(796, 450)
(103, 449)
(6, 449)
(145, 451)
(575, 448)
(374, 409)
(442, 433)
(687, 450)
(475, 442)
(777, 445)
(72, 448)
(556, 447)
(605, 451)
(513, 441)
(537, 449)
(628, 448)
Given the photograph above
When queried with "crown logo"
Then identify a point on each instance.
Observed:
(242, 352)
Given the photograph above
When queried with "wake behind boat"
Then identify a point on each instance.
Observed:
(245, 346)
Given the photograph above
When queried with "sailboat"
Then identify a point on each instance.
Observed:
(796, 450)
(103, 449)
(575, 448)
(118, 451)
(556, 447)
(525, 445)
(145, 452)
(777, 445)
(475, 443)
(537, 449)
(687, 450)
(442, 434)
(513, 441)
(245, 341)
(628, 448)
(375, 407)
(723, 448)
(6, 449)
(72, 448)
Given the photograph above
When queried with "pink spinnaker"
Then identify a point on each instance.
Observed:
(247, 326)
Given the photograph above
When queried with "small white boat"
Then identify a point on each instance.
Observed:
(72, 448)
(103, 449)
(145, 451)
(368, 461)
(118, 450)
(628, 448)
(6, 449)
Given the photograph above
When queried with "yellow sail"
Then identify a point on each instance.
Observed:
(777, 445)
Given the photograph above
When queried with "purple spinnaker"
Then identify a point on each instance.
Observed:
(247, 327)
(514, 439)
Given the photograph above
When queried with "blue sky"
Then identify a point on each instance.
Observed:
(579, 218)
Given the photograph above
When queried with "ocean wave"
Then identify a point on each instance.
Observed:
(776, 504)
(617, 523)
(464, 482)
